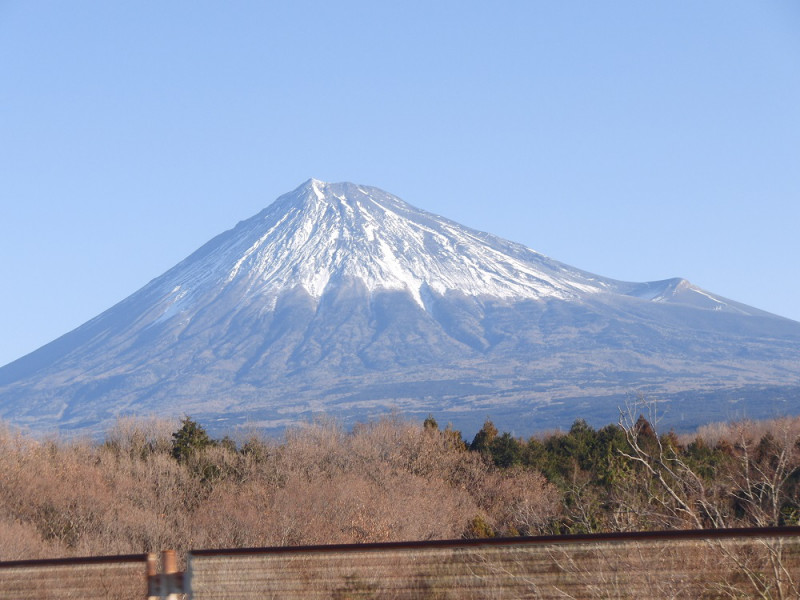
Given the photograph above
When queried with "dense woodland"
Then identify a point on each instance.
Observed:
(151, 484)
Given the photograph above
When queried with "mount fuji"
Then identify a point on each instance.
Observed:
(343, 299)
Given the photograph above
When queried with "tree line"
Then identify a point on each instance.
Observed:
(152, 484)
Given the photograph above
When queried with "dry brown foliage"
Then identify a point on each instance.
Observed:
(387, 480)
(395, 480)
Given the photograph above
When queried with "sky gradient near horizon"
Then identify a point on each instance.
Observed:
(636, 140)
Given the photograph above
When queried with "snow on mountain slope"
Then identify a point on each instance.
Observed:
(327, 232)
(322, 232)
(344, 299)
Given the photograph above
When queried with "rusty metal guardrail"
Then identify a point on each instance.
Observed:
(675, 564)
(682, 564)
(112, 577)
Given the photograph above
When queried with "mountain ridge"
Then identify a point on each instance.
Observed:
(334, 290)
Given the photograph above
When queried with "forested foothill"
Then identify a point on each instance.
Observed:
(154, 484)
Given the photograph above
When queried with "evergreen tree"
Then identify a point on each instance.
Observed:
(506, 451)
(190, 438)
(484, 438)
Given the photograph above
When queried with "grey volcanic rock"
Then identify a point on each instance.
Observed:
(342, 299)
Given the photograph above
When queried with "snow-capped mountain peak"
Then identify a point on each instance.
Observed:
(325, 232)
(314, 305)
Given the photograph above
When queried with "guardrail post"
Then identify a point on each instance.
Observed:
(167, 584)
(153, 591)
(171, 578)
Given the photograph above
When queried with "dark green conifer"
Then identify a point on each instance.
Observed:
(484, 438)
(190, 438)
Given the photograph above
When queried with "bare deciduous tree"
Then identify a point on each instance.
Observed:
(757, 486)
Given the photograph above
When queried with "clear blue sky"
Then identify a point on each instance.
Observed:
(638, 140)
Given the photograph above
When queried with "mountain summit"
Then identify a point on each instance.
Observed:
(322, 234)
(344, 299)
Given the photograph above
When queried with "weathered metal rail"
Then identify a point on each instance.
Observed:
(675, 564)
(112, 577)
